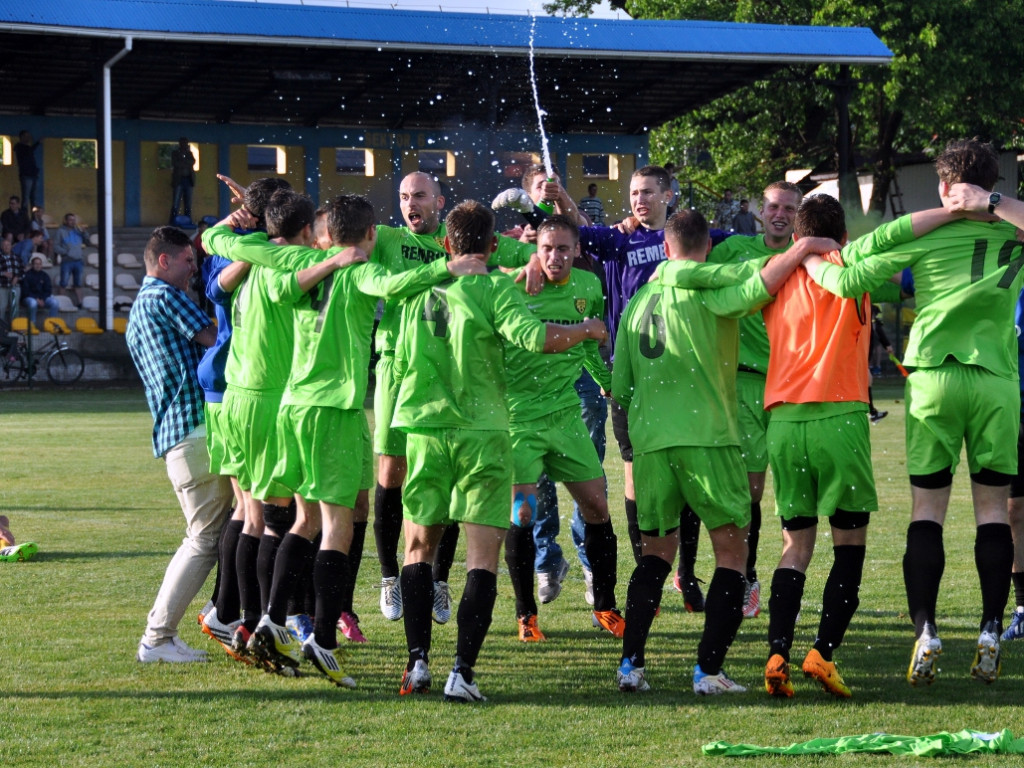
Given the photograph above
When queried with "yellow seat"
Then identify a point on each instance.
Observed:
(87, 325)
(21, 325)
(55, 325)
(120, 324)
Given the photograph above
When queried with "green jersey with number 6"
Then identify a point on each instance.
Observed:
(675, 364)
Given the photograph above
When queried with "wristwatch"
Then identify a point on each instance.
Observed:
(993, 201)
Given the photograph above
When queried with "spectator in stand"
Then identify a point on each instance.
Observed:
(11, 271)
(37, 291)
(71, 239)
(36, 224)
(744, 222)
(183, 178)
(28, 168)
(27, 247)
(725, 212)
(592, 206)
(15, 220)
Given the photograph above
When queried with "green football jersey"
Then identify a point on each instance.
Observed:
(967, 276)
(675, 364)
(333, 323)
(399, 249)
(450, 359)
(753, 336)
(260, 353)
(540, 384)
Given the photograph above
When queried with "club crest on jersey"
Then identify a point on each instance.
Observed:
(581, 305)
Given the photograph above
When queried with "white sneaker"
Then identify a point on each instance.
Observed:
(588, 579)
(217, 629)
(986, 660)
(631, 679)
(391, 598)
(457, 689)
(416, 680)
(175, 651)
(927, 649)
(549, 583)
(711, 685)
(442, 602)
(515, 198)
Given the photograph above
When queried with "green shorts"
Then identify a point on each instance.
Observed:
(250, 418)
(366, 479)
(458, 474)
(753, 420)
(821, 465)
(386, 439)
(321, 452)
(215, 437)
(711, 480)
(956, 403)
(557, 444)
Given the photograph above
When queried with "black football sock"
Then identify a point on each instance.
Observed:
(633, 529)
(228, 604)
(474, 618)
(753, 539)
(520, 551)
(840, 598)
(723, 614)
(783, 608)
(330, 572)
(266, 559)
(355, 557)
(446, 552)
(602, 548)
(387, 527)
(689, 538)
(993, 556)
(246, 556)
(418, 601)
(643, 596)
(923, 564)
(294, 559)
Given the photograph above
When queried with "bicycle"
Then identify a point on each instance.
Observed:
(62, 364)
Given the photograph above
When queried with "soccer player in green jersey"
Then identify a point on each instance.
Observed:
(778, 212)
(548, 433)
(963, 389)
(679, 346)
(420, 241)
(970, 197)
(452, 405)
(320, 424)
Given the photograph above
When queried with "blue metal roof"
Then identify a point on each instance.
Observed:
(308, 25)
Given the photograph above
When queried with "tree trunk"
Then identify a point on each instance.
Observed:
(884, 172)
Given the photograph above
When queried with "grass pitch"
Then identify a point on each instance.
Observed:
(79, 479)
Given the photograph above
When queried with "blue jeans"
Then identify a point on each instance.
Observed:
(182, 195)
(545, 531)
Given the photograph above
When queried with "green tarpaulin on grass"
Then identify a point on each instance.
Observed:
(960, 743)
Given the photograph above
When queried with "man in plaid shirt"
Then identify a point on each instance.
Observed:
(165, 333)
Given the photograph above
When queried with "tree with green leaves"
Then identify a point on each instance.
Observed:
(955, 73)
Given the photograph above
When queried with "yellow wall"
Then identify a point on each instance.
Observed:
(377, 188)
(613, 193)
(155, 192)
(67, 190)
(295, 168)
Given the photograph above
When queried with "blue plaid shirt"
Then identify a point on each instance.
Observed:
(161, 326)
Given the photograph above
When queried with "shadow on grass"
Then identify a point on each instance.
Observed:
(62, 556)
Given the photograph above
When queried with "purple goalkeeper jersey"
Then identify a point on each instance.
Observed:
(628, 262)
